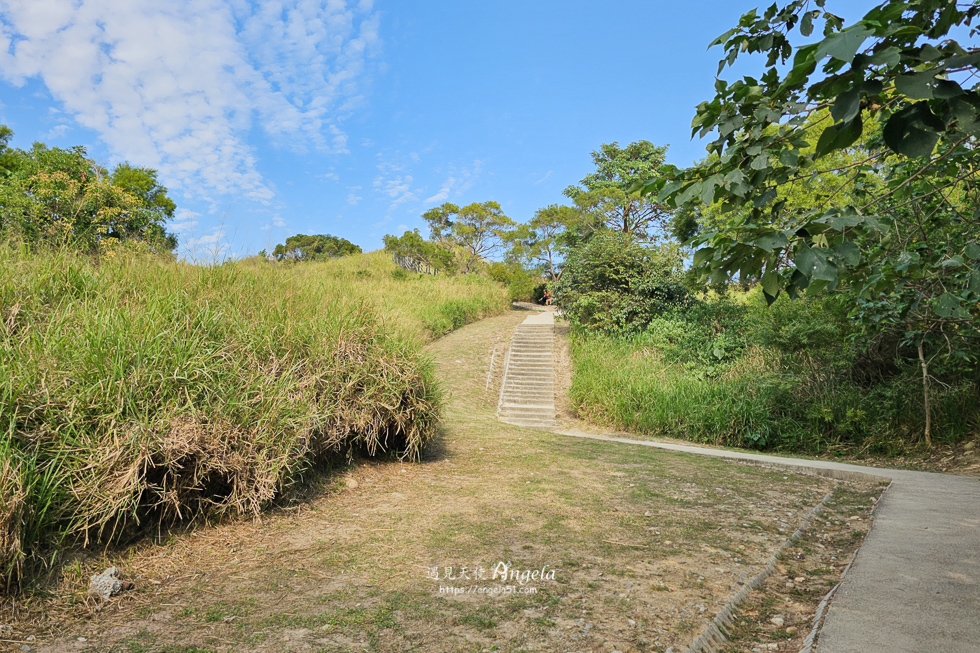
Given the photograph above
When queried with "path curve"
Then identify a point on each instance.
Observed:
(915, 583)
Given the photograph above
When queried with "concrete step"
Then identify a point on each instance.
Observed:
(539, 423)
(549, 416)
(508, 407)
(528, 400)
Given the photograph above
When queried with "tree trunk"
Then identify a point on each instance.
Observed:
(925, 394)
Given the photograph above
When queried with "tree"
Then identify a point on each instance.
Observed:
(906, 251)
(318, 247)
(61, 196)
(609, 194)
(477, 228)
(614, 284)
(412, 245)
(543, 242)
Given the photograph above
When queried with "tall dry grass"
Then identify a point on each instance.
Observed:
(136, 390)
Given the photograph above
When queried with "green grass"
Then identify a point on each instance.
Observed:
(138, 391)
(764, 379)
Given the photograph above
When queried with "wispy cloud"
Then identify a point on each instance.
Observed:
(177, 84)
(543, 179)
(460, 180)
(184, 221)
(353, 198)
(211, 247)
(399, 189)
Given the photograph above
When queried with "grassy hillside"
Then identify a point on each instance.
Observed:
(135, 391)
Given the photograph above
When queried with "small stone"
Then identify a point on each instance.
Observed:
(778, 620)
(646, 514)
(352, 484)
(631, 622)
(25, 647)
(83, 639)
(30, 638)
(799, 579)
(969, 446)
(106, 584)
(791, 630)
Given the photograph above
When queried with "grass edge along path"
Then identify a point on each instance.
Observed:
(139, 391)
(642, 544)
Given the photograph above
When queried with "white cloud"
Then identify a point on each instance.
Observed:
(184, 221)
(546, 176)
(353, 198)
(399, 189)
(459, 181)
(277, 221)
(56, 132)
(212, 247)
(177, 84)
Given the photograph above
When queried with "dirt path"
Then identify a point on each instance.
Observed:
(603, 548)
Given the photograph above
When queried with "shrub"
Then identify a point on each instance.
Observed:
(613, 284)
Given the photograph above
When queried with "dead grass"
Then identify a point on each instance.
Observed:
(645, 545)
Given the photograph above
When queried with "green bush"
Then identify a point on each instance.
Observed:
(612, 284)
(735, 372)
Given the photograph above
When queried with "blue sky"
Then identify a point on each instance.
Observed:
(352, 118)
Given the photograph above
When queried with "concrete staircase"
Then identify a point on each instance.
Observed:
(527, 394)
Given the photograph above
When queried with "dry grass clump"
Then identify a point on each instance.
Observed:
(138, 390)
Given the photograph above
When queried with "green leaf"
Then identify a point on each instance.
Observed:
(953, 261)
(789, 158)
(806, 24)
(975, 282)
(721, 39)
(837, 137)
(692, 191)
(917, 87)
(770, 283)
(946, 89)
(805, 261)
(771, 242)
(843, 45)
(889, 57)
(947, 305)
(973, 251)
(703, 255)
(930, 53)
(849, 253)
(912, 131)
(847, 106)
(669, 190)
(824, 270)
(760, 162)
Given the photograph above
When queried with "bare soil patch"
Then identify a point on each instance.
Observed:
(635, 549)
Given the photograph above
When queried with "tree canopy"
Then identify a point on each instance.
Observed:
(317, 247)
(905, 246)
(609, 194)
(543, 242)
(61, 196)
(478, 229)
